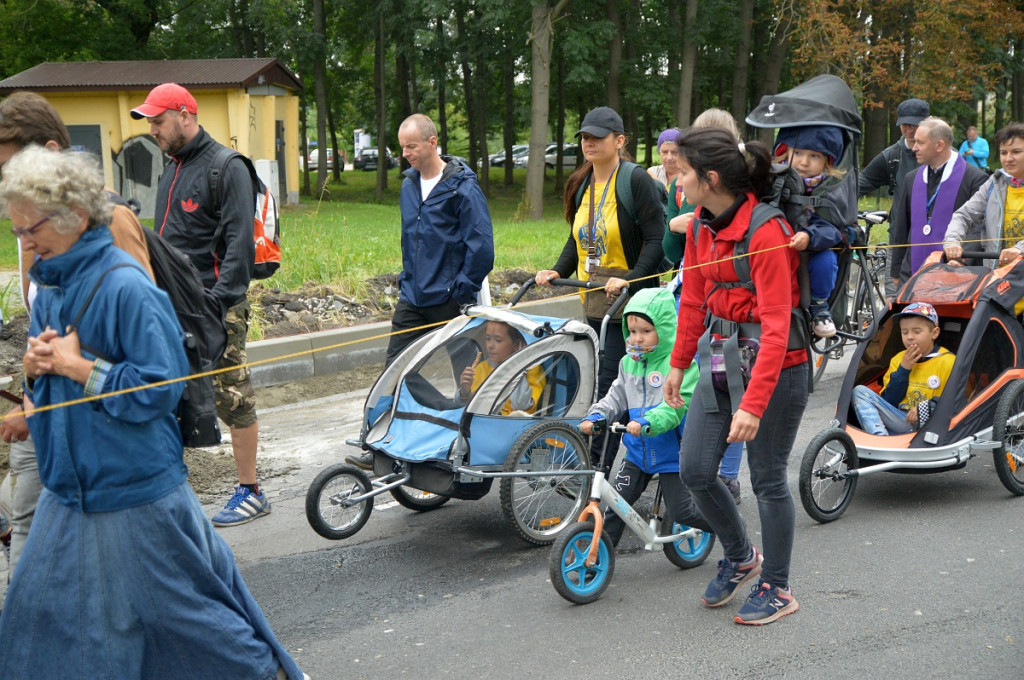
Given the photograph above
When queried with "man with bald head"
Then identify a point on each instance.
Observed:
(447, 241)
(943, 182)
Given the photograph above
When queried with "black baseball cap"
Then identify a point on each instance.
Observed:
(601, 122)
(911, 112)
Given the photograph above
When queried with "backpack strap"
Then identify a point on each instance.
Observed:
(623, 188)
(73, 326)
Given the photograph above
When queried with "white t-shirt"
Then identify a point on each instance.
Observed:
(427, 185)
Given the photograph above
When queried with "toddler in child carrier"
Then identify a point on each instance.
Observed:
(812, 151)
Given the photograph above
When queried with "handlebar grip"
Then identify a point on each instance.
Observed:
(621, 429)
(980, 255)
(522, 291)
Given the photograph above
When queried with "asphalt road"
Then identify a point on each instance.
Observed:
(919, 579)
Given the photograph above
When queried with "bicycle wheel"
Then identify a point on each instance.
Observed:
(824, 496)
(539, 507)
(1008, 430)
(687, 553)
(327, 510)
(420, 501)
(567, 567)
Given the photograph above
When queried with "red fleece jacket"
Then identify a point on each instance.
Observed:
(775, 294)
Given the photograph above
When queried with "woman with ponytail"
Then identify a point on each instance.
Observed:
(726, 180)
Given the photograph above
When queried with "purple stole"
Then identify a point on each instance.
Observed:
(942, 212)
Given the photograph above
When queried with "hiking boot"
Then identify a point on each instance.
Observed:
(244, 506)
(734, 487)
(731, 575)
(364, 460)
(766, 603)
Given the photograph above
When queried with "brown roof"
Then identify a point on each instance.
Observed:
(197, 74)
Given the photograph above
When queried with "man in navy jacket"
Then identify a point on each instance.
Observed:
(447, 241)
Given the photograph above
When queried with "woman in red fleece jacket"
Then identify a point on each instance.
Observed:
(727, 181)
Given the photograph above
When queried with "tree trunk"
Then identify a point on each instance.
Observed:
(614, 54)
(402, 76)
(510, 104)
(560, 120)
(336, 165)
(442, 101)
(303, 110)
(467, 85)
(741, 62)
(380, 49)
(541, 30)
(688, 66)
(484, 178)
(672, 76)
(320, 89)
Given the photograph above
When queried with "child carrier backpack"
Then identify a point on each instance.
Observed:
(838, 206)
(266, 227)
(729, 349)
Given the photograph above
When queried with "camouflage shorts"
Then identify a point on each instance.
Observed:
(236, 401)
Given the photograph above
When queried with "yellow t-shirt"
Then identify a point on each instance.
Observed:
(1013, 217)
(927, 378)
(534, 378)
(606, 229)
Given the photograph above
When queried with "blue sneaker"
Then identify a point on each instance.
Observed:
(766, 603)
(731, 575)
(244, 506)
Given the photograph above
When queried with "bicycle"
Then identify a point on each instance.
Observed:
(582, 559)
(859, 304)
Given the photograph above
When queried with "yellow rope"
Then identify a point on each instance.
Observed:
(129, 390)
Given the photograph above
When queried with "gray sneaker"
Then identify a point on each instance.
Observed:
(363, 460)
(734, 487)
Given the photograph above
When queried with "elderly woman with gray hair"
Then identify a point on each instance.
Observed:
(122, 575)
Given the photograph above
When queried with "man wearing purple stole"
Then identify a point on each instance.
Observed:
(942, 183)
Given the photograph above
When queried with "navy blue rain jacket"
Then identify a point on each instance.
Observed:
(447, 240)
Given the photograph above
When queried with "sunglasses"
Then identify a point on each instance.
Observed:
(28, 231)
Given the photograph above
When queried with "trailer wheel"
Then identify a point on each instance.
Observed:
(824, 494)
(1008, 430)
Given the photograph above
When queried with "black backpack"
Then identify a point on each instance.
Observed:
(202, 320)
(201, 317)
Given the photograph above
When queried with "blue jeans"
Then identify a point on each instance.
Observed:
(731, 460)
(822, 268)
(876, 415)
(701, 454)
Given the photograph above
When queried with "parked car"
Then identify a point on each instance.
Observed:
(569, 152)
(549, 157)
(497, 160)
(314, 160)
(366, 159)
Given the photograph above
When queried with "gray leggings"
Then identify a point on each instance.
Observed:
(25, 490)
(767, 456)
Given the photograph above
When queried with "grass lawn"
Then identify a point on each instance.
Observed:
(349, 238)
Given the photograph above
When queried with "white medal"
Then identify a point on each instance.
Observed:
(655, 379)
(934, 382)
(927, 229)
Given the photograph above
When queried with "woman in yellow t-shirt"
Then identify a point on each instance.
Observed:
(617, 236)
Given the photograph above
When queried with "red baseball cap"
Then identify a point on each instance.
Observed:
(169, 96)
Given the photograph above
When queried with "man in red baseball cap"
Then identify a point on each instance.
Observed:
(216, 232)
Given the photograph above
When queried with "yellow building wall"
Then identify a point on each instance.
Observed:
(232, 117)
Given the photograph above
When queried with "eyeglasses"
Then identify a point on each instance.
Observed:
(28, 231)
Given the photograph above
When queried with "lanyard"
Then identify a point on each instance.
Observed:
(592, 243)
